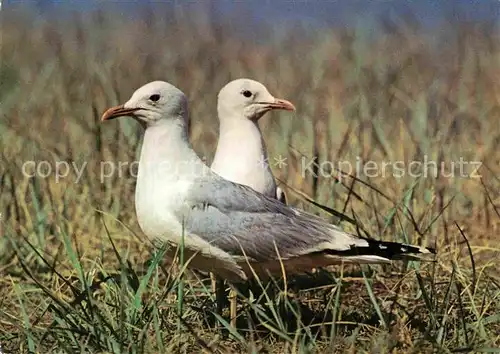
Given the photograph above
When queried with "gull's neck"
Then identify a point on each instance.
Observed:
(167, 155)
(242, 134)
(166, 140)
(167, 168)
(240, 154)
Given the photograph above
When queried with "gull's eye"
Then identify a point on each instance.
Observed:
(247, 93)
(154, 97)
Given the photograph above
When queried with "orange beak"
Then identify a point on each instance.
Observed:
(118, 111)
(281, 104)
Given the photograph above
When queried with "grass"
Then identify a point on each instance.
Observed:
(77, 274)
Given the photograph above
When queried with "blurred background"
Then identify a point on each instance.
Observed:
(372, 80)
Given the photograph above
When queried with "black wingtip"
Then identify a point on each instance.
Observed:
(385, 249)
(431, 250)
(393, 250)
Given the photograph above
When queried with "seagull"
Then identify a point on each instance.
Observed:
(241, 154)
(228, 228)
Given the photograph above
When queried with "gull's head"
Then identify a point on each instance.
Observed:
(153, 102)
(248, 99)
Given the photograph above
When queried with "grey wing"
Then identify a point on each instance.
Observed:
(242, 222)
(229, 196)
(260, 236)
